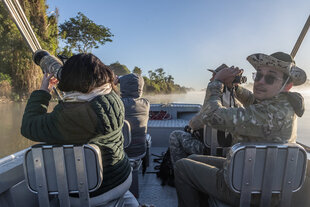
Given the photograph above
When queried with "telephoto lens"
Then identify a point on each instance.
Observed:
(48, 63)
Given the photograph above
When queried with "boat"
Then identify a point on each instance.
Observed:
(16, 187)
(14, 191)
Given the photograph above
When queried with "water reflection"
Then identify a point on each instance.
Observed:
(10, 122)
(11, 115)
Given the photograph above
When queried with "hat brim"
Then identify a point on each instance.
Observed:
(297, 75)
(213, 71)
(218, 68)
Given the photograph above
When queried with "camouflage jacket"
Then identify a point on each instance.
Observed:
(272, 120)
(196, 122)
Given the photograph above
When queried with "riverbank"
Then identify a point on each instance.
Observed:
(4, 99)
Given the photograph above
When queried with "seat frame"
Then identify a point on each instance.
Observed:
(292, 158)
(87, 165)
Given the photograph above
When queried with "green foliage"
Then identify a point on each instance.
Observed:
(15, 56)
(5, 77)
(119, 69)
(82, 34)
(158, 82)
(137, 70)
(15, 97)
(66, 51)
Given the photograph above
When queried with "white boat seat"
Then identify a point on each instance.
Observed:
(57, 171)
(266, 169)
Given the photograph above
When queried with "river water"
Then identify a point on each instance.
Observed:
(11, 115)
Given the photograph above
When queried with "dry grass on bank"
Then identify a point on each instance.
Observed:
(5, 88)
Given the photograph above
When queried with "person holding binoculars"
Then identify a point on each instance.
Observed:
(267, 115)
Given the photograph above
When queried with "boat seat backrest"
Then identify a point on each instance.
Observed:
(266, 169)
(126, 133)
(210, 139)
(62, 170)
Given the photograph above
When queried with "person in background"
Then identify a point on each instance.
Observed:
(136, 112)
(268, 115)
(91, 112)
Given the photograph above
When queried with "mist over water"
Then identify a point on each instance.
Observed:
(194, 97)
(303, 128)
(11, 140)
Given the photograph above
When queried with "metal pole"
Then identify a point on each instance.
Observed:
(19, 24)
(301, 37)
(22, 24)
(27, 25)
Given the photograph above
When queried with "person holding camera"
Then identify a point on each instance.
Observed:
(268, 115)
(90, 112)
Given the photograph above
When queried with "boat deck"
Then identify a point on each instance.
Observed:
(151, 190)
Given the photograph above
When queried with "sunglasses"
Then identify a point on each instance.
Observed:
(269, 79)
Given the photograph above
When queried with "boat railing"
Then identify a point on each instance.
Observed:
(10, 158)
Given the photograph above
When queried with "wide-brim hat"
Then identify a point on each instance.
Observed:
(282, 62)
(218, 68)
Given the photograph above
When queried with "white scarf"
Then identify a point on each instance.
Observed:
(75, 96)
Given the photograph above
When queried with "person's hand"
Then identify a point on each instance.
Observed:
(48, 82)
(227, 75)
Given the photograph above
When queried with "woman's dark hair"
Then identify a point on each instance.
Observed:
(83, 73)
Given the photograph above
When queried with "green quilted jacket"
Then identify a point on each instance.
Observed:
(96, 122)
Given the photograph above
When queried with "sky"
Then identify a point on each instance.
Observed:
(186, 37)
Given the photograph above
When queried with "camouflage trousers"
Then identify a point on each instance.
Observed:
(182, 144)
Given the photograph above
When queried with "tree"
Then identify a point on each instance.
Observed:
(161, 74)
(170, 79)
(137, 70)
(152, 75)
(119, 69)
(82, 34)
(157, 82)
(15, 56)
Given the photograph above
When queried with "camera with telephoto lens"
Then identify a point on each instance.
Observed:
(48, 63)
(240, 79)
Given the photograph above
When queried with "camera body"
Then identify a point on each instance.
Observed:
(48, 63)
(240, 79)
